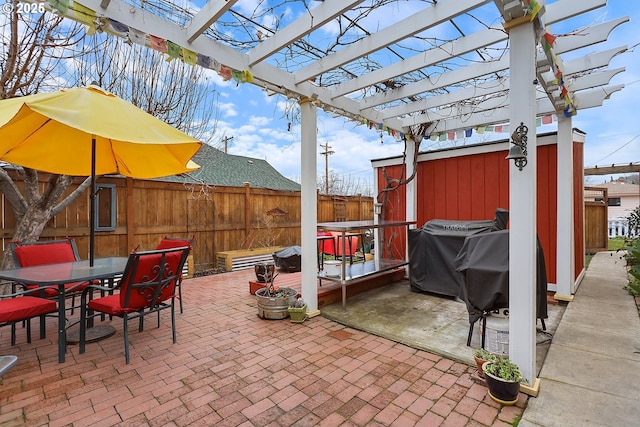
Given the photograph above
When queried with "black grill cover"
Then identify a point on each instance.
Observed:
(432, 250)
(288, 259)
(483, 261)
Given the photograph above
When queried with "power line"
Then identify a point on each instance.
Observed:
(618, 149)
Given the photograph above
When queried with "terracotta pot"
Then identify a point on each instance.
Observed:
(479, 363)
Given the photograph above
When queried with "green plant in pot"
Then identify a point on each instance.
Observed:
(503, 378)
(298, 311)
(480, 355)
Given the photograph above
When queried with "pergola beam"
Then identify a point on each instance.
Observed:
(210, 13)
(304, 25)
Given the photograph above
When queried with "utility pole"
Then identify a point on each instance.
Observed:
(226, 143)
(326, 153)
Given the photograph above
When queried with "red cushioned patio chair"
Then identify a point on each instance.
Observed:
(48, 252)
(350, 246)
(147, 286)
(178, 242)
(22, 306)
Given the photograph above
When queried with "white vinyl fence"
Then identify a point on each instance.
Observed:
(619, 227)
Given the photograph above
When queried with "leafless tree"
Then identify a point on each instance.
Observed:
(177, 93)
(33, 49)
(45, 52)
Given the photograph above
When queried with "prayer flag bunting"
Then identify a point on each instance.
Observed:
(86, 16)
(547, 119)
(173, 50)
(189, 56)
(468, 132)
(137, 36)
(61, 6)
(225, 72)
(203, 61)
(158, 44)
(118, 27)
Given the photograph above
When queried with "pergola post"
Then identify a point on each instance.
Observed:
(565, 252)
(309, 203)
(522, 203)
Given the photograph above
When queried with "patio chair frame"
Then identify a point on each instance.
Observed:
(177, 242)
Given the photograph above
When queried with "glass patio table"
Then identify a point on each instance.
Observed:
(66, 272)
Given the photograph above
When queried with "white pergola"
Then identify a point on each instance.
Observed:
(450, 65)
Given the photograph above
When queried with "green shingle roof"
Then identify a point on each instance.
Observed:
(228, 170)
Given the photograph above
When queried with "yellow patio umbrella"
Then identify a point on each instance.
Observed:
(87, 131)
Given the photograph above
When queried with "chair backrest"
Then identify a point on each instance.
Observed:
(44, 252)
(150, 277)
(350, 245)
(175, 242)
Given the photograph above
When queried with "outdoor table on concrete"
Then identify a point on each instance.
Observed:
(370, 268)
(66, 272)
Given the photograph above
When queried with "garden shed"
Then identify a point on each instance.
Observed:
(471, 182)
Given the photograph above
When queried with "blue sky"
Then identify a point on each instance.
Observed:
(259, 129)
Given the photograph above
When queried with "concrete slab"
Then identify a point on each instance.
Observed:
(430, 322)
(560, 404)
(601, 340)
(596, 371)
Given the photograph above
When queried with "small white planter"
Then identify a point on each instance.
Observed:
(333, 268)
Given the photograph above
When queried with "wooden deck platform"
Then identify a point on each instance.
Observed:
(330, 292)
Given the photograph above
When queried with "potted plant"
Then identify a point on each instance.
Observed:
(298, 311)
(503, 379)
(480, 355)
(273, 301)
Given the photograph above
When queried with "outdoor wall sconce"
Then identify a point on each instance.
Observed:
(377, 208)
(519, 150)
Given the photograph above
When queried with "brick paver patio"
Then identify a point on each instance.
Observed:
(230, 368)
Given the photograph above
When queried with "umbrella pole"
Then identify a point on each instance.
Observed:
(92, 200)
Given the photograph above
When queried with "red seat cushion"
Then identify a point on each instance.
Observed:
(21, 308)
(41, 254)
(109, 304)
(52, 291)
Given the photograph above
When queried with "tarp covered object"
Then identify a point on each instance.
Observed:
(483, 261)
(288, 259)
(432, 250)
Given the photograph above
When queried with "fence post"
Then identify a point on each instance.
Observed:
(247, 208)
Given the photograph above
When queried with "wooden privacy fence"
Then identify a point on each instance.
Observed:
(220, 218)
(596, 235)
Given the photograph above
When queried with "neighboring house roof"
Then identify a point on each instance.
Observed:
(617, 189)
(228, 170)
